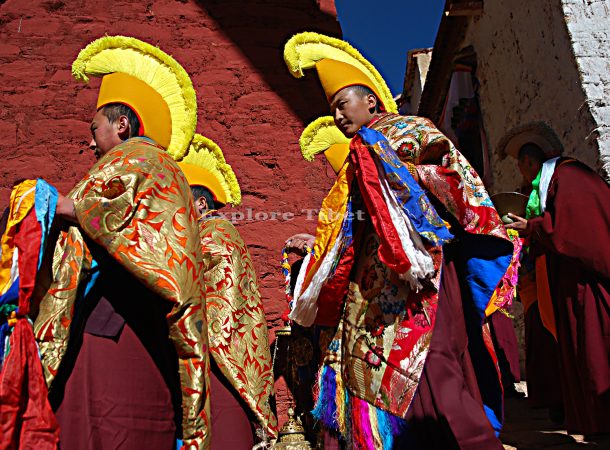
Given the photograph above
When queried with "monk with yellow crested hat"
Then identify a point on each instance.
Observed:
(121, 325)
(398, 372)
(242, 371)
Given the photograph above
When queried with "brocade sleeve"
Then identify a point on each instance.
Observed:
(237, 327)
(136, 203)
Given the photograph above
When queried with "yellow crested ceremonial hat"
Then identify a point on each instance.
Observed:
(205, 165)
(322, 135)
(147, 80)
(335, 75)
(338, 64)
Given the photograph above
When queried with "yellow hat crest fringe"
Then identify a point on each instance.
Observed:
(319, 135)
(205, 165)
(151, 65)
(304, 50)
(322, 135)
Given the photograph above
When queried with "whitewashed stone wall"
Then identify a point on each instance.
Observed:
(588, 23)
(527, 73)
(421, 61)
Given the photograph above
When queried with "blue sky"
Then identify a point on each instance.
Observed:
(385, 30)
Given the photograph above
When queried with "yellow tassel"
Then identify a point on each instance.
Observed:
(340, 401)
(147, 63)
(303, 50)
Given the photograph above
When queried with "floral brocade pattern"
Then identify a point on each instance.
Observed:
(386, 328)
(443, 171)
(136, 203)
(237, 327)
(386, 331)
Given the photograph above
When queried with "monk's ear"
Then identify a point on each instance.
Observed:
(202, 202)
(371, 102)
(123, 127)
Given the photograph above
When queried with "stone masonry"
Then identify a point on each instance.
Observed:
(527, 73)
(588, 23)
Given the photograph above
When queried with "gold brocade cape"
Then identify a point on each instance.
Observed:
(136, 204)
(237, 327)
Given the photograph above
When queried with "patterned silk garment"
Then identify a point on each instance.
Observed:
(136, 203)
(237, 327)
(445, 173)
(387, 329)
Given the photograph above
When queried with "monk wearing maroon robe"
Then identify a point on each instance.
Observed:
(507, 350)
(573, 232)
(541, 352)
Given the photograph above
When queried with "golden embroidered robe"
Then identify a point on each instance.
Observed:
(136, 204)
(237, 327)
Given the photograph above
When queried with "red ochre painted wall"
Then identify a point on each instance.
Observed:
(248, 103)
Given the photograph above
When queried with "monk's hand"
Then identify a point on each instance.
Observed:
(519, 223)
(65, 209)
(299, 243)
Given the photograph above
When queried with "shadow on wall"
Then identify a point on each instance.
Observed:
(260, 30)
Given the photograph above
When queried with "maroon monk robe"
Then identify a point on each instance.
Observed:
(541, 363)
(118, 386)
(507, 349)
(231, 422)
(541, 350)
(574, 232)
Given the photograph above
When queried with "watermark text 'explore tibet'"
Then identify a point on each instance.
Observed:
(252, 215)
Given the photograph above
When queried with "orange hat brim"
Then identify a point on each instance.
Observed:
(198, 176)
(147, 103)
(336, 75)
(336, 155)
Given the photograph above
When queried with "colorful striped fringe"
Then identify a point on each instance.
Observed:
(326, 407)
(364, 425)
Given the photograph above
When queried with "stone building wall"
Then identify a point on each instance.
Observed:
(418, 63)
(588, 24)
(527, 73)
(248, 103)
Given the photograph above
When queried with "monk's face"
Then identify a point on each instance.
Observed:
(529, 168)
(105, 135)
(352, 111)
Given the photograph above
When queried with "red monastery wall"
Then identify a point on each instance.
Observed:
(248, 103)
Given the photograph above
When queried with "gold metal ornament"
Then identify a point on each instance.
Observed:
(292, 435)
